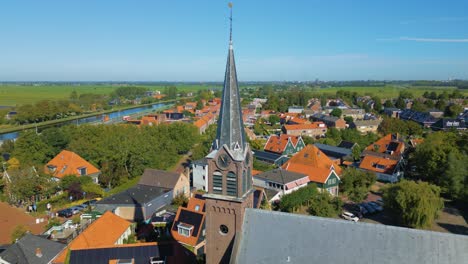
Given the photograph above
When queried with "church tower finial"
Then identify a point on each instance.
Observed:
(230, 28)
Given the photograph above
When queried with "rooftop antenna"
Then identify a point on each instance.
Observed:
(230, 29)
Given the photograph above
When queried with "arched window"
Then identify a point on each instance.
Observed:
(231, 184)
(217, 182)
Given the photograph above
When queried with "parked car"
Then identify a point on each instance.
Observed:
(82, 207)
(380, 202)
(65, 213)
(349, 216)
(362, 209)
(369, 208)
(75, 210)
(376, 206)
(92, 203)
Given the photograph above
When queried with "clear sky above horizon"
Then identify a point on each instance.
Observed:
(114, 40)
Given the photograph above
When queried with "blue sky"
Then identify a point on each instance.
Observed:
(278, 40)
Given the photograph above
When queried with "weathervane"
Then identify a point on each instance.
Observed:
(230, 19)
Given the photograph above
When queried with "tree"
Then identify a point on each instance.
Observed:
(356, 184)
(200, 105)
(324, 205)
(180, 200)
(336, 112)
(414, 204)
(293, 201)
(356, 152)
(348, 119)
(400, 103)
(418, 106)
(377, 104)
(453, 110)
(273, 119)
(18, 232)
(455, 178)
(389, 103)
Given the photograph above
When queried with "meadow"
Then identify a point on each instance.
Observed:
(12, 95)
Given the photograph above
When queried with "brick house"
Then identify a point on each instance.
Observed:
(330, 121)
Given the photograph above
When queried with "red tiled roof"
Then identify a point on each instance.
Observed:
(277, 144)
(67, 163)
(313, 162)
(384, 142)
(191, 240)
(314, 125)
(378, 164)
(104, 231)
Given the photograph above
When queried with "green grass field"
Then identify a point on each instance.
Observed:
(11, 95)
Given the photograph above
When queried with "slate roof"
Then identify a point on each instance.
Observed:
(159, 178)
(67, 163)
(369, 122)
(280, 176)
(230, 125)
(24, 250)
(346, 144)
(193, 216)
(333, 151)
(139, 194)
(273, 157)
(140, 253)
(276, 237)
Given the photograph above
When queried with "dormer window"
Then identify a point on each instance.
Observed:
(82, 171)
(197, 208)
(51, 168)
(184, 229)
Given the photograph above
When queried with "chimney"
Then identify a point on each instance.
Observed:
(38, 253)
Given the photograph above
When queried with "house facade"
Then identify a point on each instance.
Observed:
(284, 144)
(315, 129)
(280, 181)
(330, 121)
(366, 126)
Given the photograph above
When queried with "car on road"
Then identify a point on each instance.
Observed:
(376, 206)
(349, 216)
(82, 207)
(65, 213)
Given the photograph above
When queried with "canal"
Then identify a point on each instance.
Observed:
(114, 117)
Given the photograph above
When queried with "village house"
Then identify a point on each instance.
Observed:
(279, 182)
(355, 113)
(330, 121)
(315, 129)
(155, 190)
(445, 124)
(188, 227)
(70, 163)
(284, 144)
(204, 122)
(295, 109)
(385, 158)
(31, 249)
(392, 112)
(321, 169)
(270, 157)
(422, 118)
(314, 105)
(200, 174)
(107, 230)
(366, 126)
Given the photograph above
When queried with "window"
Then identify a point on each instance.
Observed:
(82, 171)
(184, 229)
(51, 168)
(197, 207)
(223, 229)
(217, 182)
(231, 182)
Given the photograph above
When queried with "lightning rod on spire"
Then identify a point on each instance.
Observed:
(230, 19)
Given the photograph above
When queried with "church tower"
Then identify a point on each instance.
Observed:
(229, 171)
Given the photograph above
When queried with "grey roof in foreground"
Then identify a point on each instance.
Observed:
(135, 196)
(24, 250)
(275, 237)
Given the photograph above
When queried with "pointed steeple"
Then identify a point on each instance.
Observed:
(230, 124)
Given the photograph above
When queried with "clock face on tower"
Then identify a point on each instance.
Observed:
(223, 161)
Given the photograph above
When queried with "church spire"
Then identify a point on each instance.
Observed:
(230, 125)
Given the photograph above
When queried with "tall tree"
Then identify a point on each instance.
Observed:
(356, 184)
(415, 204)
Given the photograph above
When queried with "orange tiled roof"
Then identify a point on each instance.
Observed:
(313, 162)
(314, 125)
(299, 120)
(384, 142)
(255, 172)
(159, 96)
(277, 144)
(104, 231)
(67, 163)
(191, 206)
(378, 164)
(199, 123)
